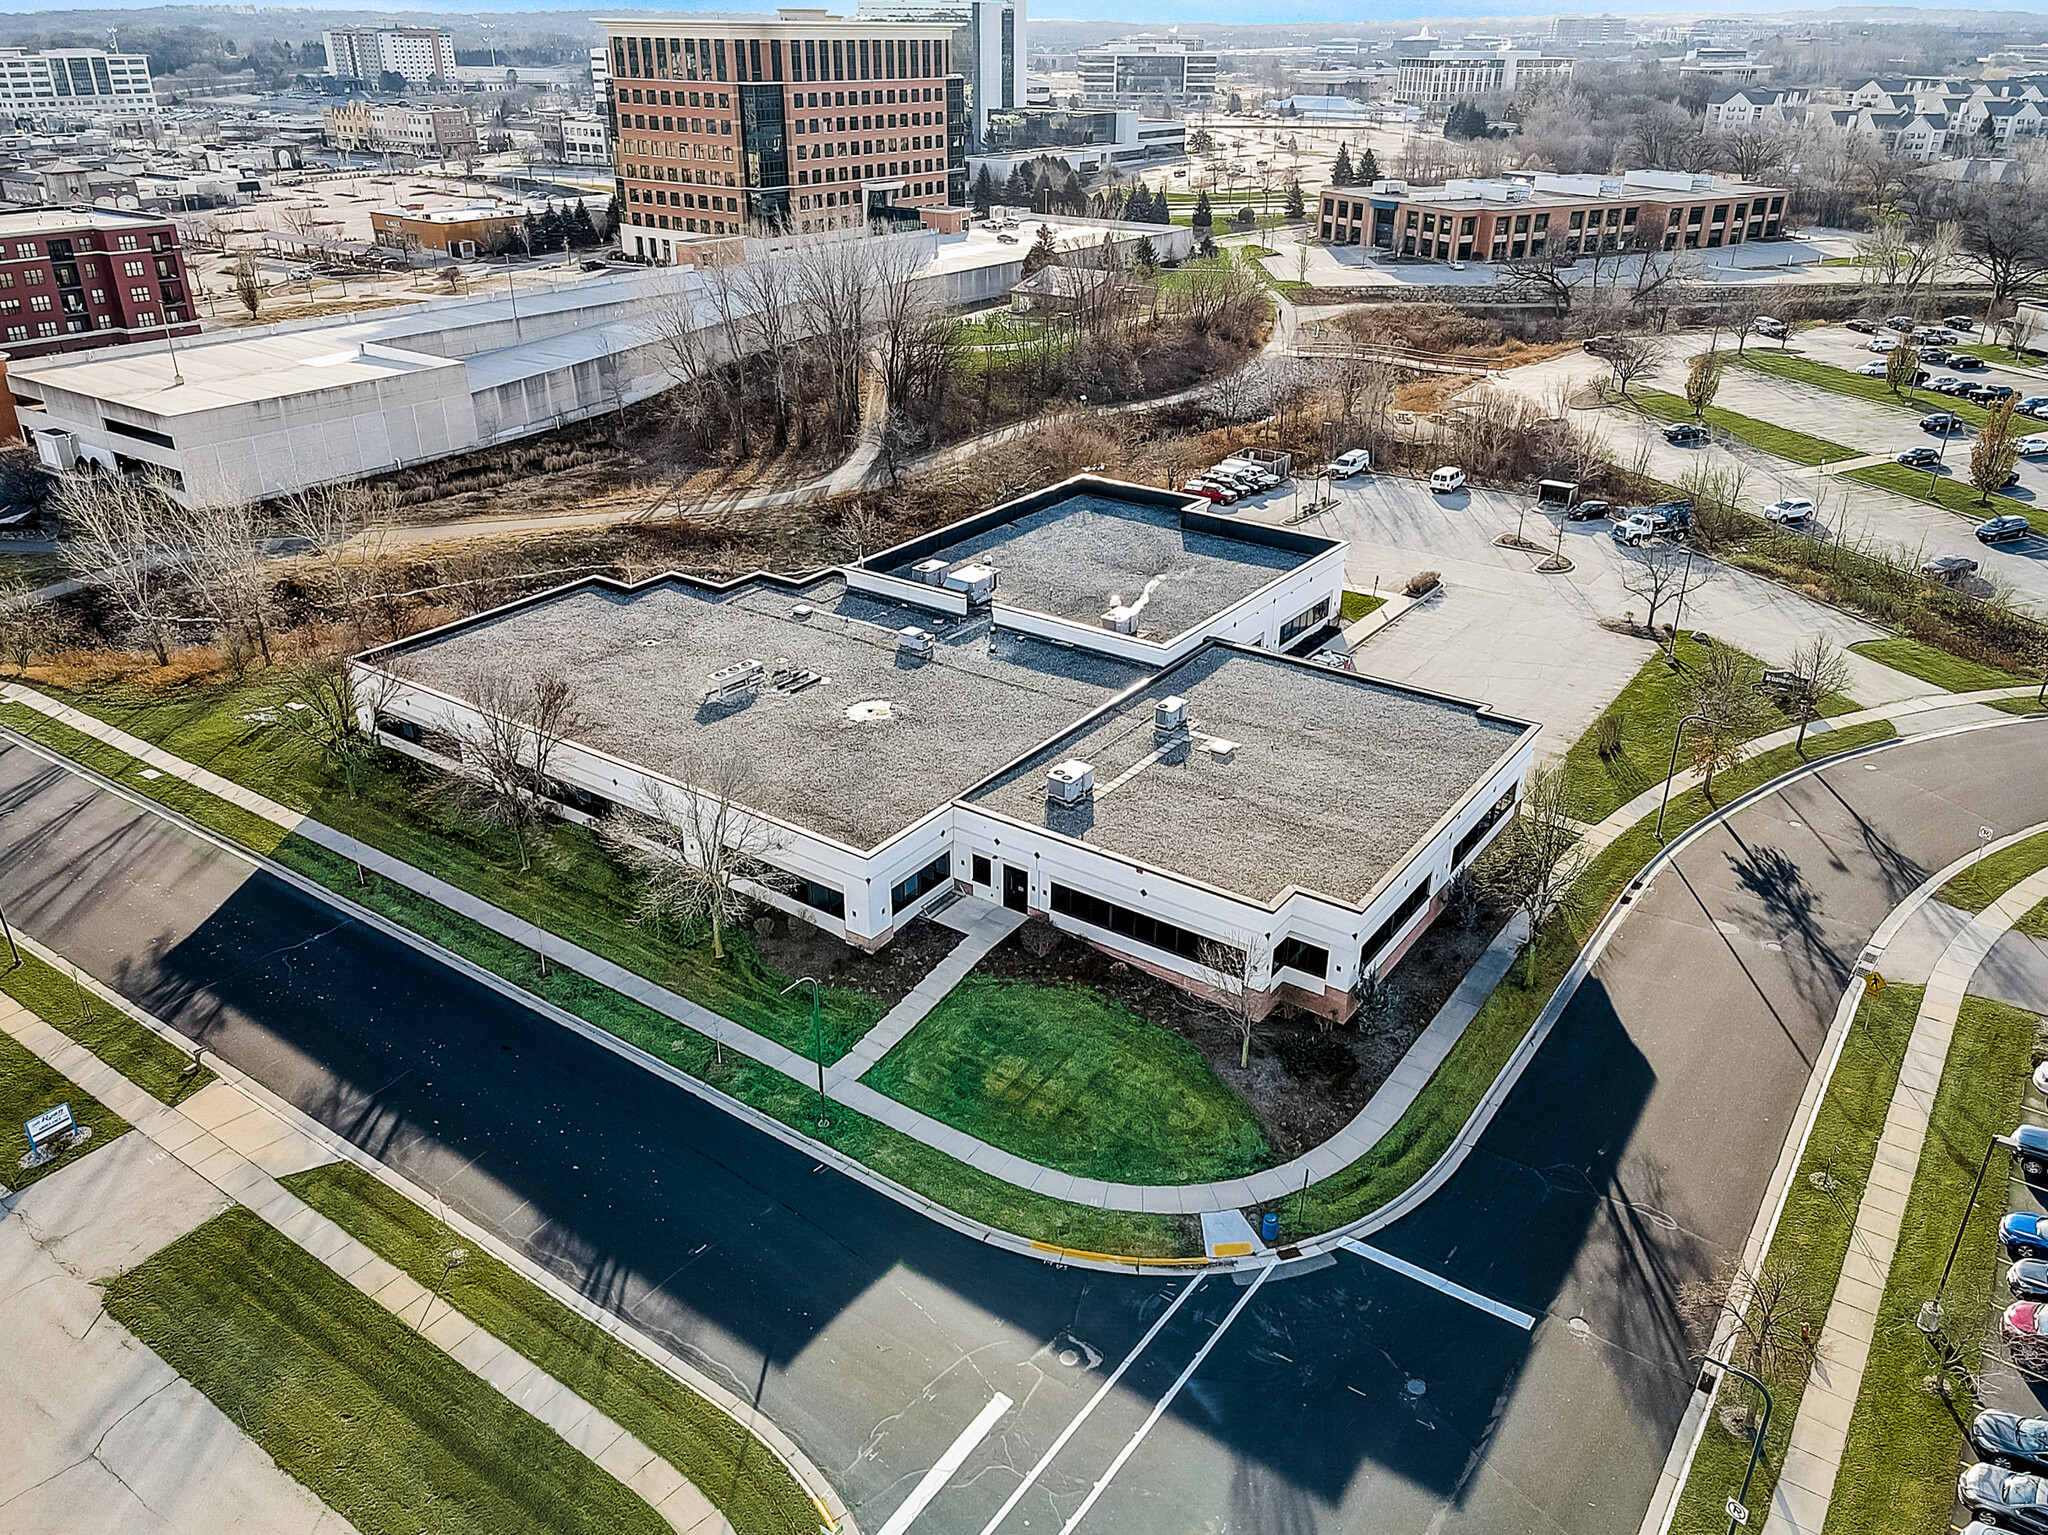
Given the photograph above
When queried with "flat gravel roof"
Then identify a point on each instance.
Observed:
(1076, 558)
(1334, 781)
(641, 660)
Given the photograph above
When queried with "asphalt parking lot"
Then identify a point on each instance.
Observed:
(1530, 644)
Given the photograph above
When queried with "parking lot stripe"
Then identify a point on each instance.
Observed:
(1093, 1402)
(948, 1463)
(1159, 1407)
(1491, 1307)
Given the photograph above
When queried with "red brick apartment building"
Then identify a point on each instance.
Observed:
(726, 125)
(73, 279)
(1513, 219)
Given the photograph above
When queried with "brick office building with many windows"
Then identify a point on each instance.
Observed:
(1557, 216)
(803, 122)
(71, 280)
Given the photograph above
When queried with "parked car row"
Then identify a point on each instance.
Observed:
(1232, 480)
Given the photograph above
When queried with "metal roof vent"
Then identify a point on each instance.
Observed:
(930, 572)
(1121, 619)
(1070, 782)
(1220, 750)
(800, 612)
(1170, 713)
(977, 580)
(914, 642)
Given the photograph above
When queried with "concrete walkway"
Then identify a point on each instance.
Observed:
(984, 924)
(240, 1147)
(1799, 1503)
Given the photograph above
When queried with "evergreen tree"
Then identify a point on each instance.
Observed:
(1144, 259)
(585, 234)
(1072, 198)
(1297, 208)
(1017, 190)
(1043, 253)
(1203, 220)
(1368, 170)
(1206, 247)
(1162, 210)
(984, 193)
(612, 218)
(1340, 173)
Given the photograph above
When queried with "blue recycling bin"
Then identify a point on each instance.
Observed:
(1269, 1226)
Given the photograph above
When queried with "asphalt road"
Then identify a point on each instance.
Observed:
(1632, 1156)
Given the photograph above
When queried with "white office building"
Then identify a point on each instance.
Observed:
(1137, 71)
(111, 89)
(1443, 76)
(988, 51)
(415, 54)
(1086, 704)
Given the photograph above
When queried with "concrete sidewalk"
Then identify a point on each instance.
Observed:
(236, 1146)
(1805, 1486)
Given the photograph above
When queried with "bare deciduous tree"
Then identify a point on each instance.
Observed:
(117, 534)
(695, 848)
(1726, 692)
(506, 744)
(1772, 1311)
(324, 713)
(1536, 860)
(1703, 381)
(217, 549)
(1995, 451)
(1633, 357)
(1822, 670)
(1231, 972)
(29, 628)
(1658, 573)
(341, 527)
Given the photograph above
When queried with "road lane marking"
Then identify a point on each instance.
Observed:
(1093, 1402)
(1159, 1407)
(948, 1463)
(1491, 1307)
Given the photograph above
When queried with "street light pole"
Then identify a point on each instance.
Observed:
(1664, 803)
(817, 1041)
(1756, 1445)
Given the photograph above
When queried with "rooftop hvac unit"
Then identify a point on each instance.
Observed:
(978, 581)
(913, 641)
(1221, 750)
(1070, 782)
(1170, 713)
(730, 681)
(930, 572)
(57, 450)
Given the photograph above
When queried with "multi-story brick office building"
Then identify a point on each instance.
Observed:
(1517, 219)
(72, 279)
(726, 125)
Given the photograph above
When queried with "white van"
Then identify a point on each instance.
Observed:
(1344, 465)
(1447, 479)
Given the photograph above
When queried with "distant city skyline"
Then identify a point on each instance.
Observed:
(1147, 13)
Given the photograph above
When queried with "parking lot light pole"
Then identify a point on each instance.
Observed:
(1756, 1445)
(1996, 1143)
(817, 1041)
(1664, 803)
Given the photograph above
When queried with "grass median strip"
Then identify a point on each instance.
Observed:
(1988, 878)
(383, 1427)
(1783, 441)
(1066, 1077)
(731, 1467)
(1898, 1470)
(141, 1055)
(28, 1086)
(1937, 666)
(1811, 1239)
(1820, 375)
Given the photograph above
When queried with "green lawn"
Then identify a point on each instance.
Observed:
(1985, 880)
(1447, 1100)
(383, 1427)
(1937, 666)
(1953, 492)
(1068, 1078)
(1786, 443)
(2035, 923)
(1812, 1236)
(28, 1086)
(2004, 356)
(577, 890)
(725, 1462)
(1650, 708)
(1357, 605)
(141, 1055)
(1898, 1472)
(918, 1167)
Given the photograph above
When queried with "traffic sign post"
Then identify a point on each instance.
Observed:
(1738, 1512)
(1873, 983)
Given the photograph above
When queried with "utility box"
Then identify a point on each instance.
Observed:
(1070, 782)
